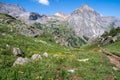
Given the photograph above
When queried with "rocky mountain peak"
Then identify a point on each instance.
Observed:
(11, 9)
(86, 7)
(87, 22)
(62, 15)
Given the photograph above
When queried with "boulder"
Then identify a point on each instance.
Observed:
(21, 61)
(17, 52)
(115, 38)
(36, 57)
(108, 40)
(45, 54)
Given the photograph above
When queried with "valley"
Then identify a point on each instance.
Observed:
(80, 46)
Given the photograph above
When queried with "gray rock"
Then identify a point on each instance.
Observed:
(60, 40)
(30, 31)
(36, 57)
(93, 40)
(21, 61)
(17, 52)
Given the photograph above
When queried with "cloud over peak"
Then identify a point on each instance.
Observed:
(44, 2)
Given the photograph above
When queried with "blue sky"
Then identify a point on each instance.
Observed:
(104, 7)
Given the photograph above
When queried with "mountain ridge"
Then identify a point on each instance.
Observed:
(85, 21)
(11, 9)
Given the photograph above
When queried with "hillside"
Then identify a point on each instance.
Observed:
(18, 26)
(62, 63)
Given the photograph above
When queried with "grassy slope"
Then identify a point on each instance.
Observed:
(114, 48)
(59, 61)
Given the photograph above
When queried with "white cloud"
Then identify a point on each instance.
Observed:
(44, 2)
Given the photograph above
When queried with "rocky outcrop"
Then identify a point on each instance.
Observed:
(29, 31)
(17, 52)
(18, 26)
(20, 61)
(61, 40)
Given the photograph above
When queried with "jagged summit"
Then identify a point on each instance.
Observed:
(88, 22)
(11, 9)
(86, 7)
(62, 15)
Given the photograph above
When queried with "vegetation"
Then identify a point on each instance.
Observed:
(61, 30)
(114, 48)
(112, 32)
(57, 65)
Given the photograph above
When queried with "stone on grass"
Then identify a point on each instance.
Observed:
(17, 52)
(83, 60)
(36, 57)
(115, 68)
(21, 61)
(71, 70)
(45, 54)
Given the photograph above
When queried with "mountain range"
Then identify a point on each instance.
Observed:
(84, 21)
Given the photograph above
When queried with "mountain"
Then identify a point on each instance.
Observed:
(87, 22)
(62, 15)
(11, 9)
(84, 21)
(20, 13)
(32, 17)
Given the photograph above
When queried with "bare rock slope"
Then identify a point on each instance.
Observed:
(87, 22)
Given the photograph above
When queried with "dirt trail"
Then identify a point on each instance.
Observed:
(113, 58)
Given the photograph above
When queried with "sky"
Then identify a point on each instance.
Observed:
(104, 7)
